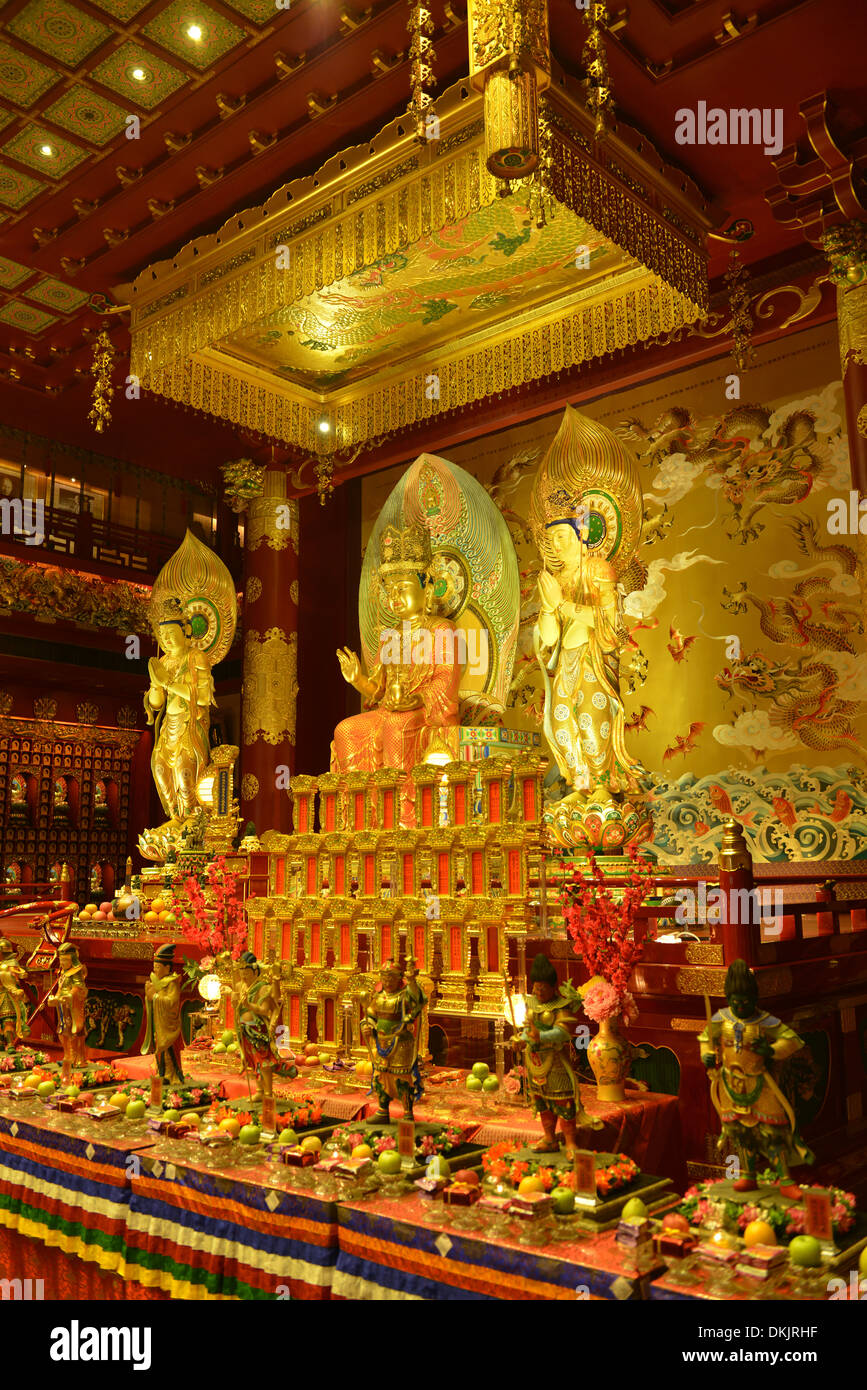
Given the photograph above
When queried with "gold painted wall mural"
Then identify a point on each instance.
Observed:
(744, 674)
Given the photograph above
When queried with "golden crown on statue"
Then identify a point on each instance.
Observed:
(404, 550)
(560, 505)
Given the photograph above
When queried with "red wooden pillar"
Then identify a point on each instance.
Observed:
(270, 686)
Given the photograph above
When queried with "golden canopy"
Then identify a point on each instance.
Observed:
(396, 283)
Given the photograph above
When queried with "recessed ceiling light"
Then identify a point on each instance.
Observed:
(139, 74)
(46, 150)
(195, 32)
(324, 427)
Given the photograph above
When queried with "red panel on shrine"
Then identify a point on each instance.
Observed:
(859, 919)
(345, 944)
(825, 925)
(280, 876)
(369, 869)
(494, 802)
(493, 948)
(286, 941)
(316, 943)
(329, 811)
(427, 805)
(478, 877)
(359, 810)
(443, 874)
(460, 804)
(299, 948)
(301, 807)
(529, 798)
(295, 1016)
(311, 875)
(329, 1020)
(455, 962)
(258, 938)
(418, 942)
(388, 809)
(340, 874)
(385, 942)
(514, 871)
(408, 876)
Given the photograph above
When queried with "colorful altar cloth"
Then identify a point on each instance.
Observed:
(385, 1252)
(209, 1232)
(64, 1189)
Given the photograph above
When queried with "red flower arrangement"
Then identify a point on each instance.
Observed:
(499, 1162)
(601, 926)
(222, 927)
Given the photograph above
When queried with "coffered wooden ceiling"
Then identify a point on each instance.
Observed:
(233, 98)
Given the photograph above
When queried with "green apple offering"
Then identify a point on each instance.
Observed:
(227, 1037)
(805, 1251)
(473, 1083)
(250, 1134)
(481, 1070)
(287, 1136)
(389, 1161)
(45, 1088)
(634, 1209)
(135, 1110)
(232, 1047)
(490, 1083)
(172, 1116)
(218, 1049)
(73, 1092)
(563, 1200)
(324, 1057)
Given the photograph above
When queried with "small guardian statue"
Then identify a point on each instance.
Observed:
(742, 1048)
(164, 1037)
(391, 1030)
(69, 997)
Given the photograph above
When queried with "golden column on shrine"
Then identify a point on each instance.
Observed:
(270, 686)
(510, 62)
(846, 248)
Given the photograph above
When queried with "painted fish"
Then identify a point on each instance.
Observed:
(785, 810)
(720, 798)
(842, 805)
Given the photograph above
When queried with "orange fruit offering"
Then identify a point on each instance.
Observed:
(532, 1183)
(759, 1233)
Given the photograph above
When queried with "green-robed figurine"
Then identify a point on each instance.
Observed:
(741, 1047)
(546, 1039)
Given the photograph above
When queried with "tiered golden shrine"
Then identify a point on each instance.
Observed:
(351, 889)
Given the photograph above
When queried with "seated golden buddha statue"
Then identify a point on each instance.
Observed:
(411, 694)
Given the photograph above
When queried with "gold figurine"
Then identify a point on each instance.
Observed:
(13, 1001)
(411, 694)
(194, 609)
(163, 1005)
(69, 997)
(585, 514)
(391, 1030)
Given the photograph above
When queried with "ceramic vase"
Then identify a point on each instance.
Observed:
(610, 1058)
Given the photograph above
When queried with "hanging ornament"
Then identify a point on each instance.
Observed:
(600, 102)
(103, 361)
(510, 62)
(422, 55)
(737, 283)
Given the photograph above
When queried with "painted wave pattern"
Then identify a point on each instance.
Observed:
(806, 813)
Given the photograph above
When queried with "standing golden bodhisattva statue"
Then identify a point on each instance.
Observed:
(163, 1006)
(391, 1029)
(194, 613)
(256, 1006)
(69, 997)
